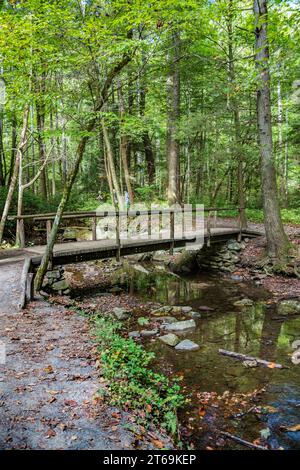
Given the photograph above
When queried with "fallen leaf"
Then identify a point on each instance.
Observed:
(294, 428)
(71, 403)
(202, 411)
(157, 443)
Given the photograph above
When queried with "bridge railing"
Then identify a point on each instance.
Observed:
(210, 220)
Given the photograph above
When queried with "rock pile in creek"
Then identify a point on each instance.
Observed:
(170, 326)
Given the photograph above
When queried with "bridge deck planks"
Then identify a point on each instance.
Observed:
(72, 252)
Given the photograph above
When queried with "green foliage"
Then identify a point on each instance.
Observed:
(131, 381)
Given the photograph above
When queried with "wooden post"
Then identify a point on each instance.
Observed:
(208, 229)
(240, 224)
(172, 231)
(48, 229)
(159, 224)
(118, 241)
(149, 224)
(94, 228)
(21, 233)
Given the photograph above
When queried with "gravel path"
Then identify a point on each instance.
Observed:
(49, 381)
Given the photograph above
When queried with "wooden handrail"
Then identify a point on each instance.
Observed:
(89, 214)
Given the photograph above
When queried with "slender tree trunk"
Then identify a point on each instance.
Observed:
(277, 243)
(19, 153)
(237, 121)
(124, 146)
(148, 149)
(111, 165)
(173, 145)
(13, 146)
(53, 157)
(2, 154)
(40, 84)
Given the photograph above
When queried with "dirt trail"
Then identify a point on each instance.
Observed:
(10, 289)
(49, 380)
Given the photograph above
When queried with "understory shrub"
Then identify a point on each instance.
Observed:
(131, 381)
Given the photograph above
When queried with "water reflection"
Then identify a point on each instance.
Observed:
(255, 330)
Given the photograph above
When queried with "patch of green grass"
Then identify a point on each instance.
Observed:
(131, 381)
(289, 216)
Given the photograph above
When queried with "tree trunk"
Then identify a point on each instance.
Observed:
(277, 243)
(72, 175)
(111, 166)
(237, 121)
(124, 146)
(173, 146)
(19, 153)
(40, 120)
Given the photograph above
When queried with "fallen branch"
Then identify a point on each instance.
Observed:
(242, 441)
(243, 357)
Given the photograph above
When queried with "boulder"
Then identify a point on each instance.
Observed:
(186, 309)
(170, 339)
(53, 274)
(180, 325)
(60, 285)
(166, 319)
(243, 303)
(134, 334)
(234, 246)
(121, 313)
(194, 314)
(149, 332)
(140, 268)
(187, 345)
(288, 307)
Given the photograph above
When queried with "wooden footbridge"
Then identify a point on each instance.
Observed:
(160, 229)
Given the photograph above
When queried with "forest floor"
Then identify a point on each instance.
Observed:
(280, 285)
(49, 383)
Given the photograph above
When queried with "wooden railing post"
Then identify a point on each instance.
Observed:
(118, 241)
(149, 224)
(240, 224)
(21, 233)
(94, 228)
(48, 229)
(172, 231)
(208, 229)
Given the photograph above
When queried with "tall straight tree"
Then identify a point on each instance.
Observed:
(277, 243)
(173, 146)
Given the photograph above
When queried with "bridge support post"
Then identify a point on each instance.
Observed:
(172, 231)
(22, 233)
(48, 229)
(94, 228)
(118, 241)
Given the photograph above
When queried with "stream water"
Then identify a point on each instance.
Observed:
(218, 387)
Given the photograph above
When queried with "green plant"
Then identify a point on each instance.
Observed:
(131, 381)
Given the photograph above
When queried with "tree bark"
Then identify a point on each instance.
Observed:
(237, 121)
(173, 145)
(277, 243)
(40, 120)
(111, 166)
(124, 146)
